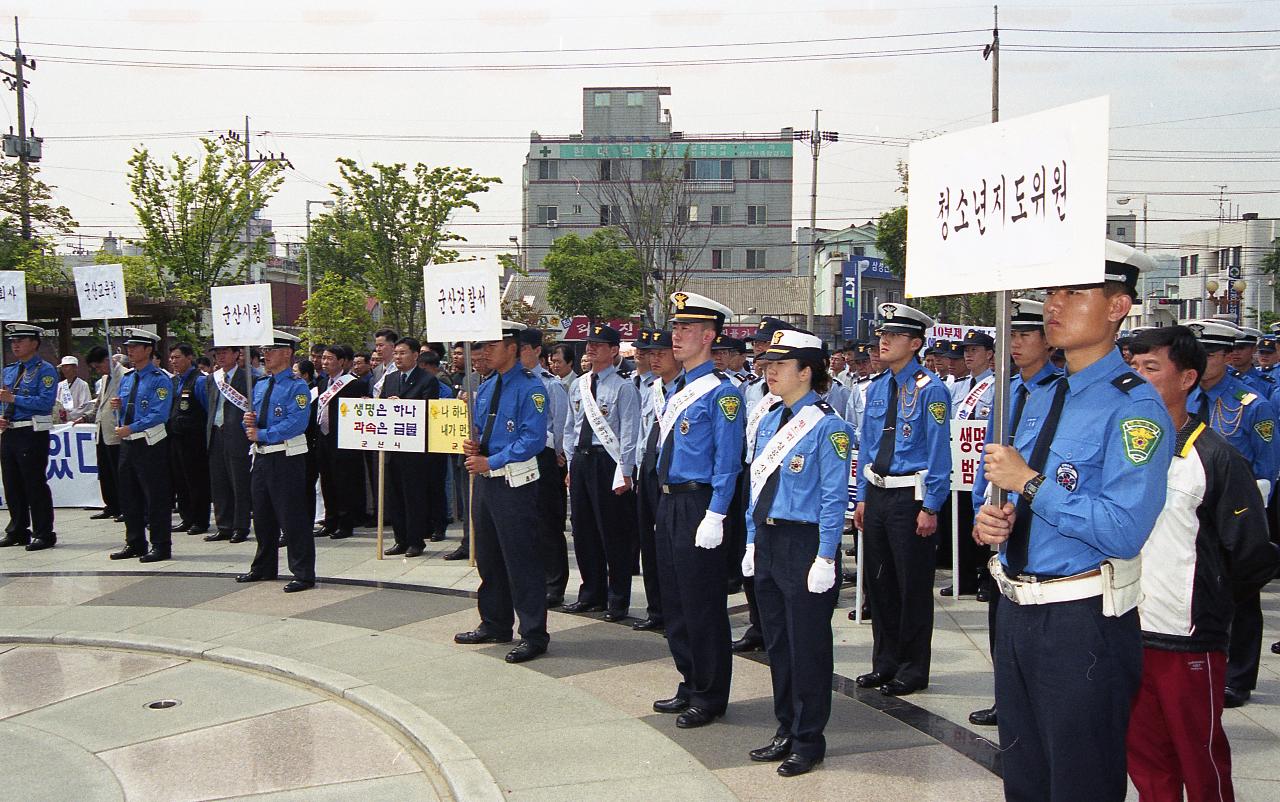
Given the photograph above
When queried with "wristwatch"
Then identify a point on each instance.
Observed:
(928, 511)
(1032, 486)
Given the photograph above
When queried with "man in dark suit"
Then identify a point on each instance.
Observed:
(341, 470)
(415, 481)
(189, 452)
(225, 402)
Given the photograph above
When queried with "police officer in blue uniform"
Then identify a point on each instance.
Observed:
(798, 497)
(1240, 360)
(653, 395)
(143, 403)
(970, 400)
(701, 431)
(906, 451)
(283, 504)
(511, 418)
(26, 410)
(1089, 465)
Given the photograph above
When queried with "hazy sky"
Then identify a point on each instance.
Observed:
(92, 114)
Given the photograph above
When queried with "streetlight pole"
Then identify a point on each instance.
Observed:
(1146, 238)
(328, 204)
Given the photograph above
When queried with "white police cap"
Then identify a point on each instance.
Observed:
(282, 339)
(141, 337)
(1248, 336)
(1214, 333)
(902, 319)
(689, 307)
(1027, 314)
(12, 330)
(1124, 263)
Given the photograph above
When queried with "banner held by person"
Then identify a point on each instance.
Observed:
(382, 425)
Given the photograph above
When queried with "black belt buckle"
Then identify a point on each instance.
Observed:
(685, 487)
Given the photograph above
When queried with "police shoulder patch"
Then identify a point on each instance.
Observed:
(301, 400)
(730, 405)
(938, 410)
(1266, 429)
(48, 381)
(1140, 439)
(539, 401)
(162, 393)
(840, 442)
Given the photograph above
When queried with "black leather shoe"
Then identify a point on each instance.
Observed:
(475, 637)
(1235, 697)
(873, 679)
(297, 585)
(100, 516)
(155, 556)
(128, 552)
(239, 537)
(323, 531)
(118, 519)
(899, 688)
(198, 530)
(795, 765)
(13, 540)
(413, 551)
(647, 624)
(396, 550)
(673, 705)
(252, 577)
(615, 615)
(216, 536)
(457, 554)
(777, 749)
(696, 717)
(554, 601)
(37, 544)
(182, 526)
(948, 591)
(847, 578)
(986, 717)
(582, 607)
(866, 614)
(524, 652)
(341, 534)
(1275, 647)
(437, 537)
(747, 643)
(984, 594)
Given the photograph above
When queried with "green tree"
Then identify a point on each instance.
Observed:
(1270, 265)
(336, 312)
(140, 276)
(338, 245)
(193, 214)
(891, 240)
(600, 276)
(48, 221)
(398, 224)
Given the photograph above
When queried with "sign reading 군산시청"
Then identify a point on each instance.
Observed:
(448, 419)
(967, 438)
(463, 302)
(13, 295)
(241, 314)
(382, 424)
(100, 290)
(1019, 204)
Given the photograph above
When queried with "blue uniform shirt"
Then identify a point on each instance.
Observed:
(288, 410)
(707, 440)
(35, 394)
(1043, 378)
(982, 408)
(1245, 419)
(520, 426)
(558, 398)
(922, 441)
(1256, 380)
(812, 478)
(1107, 470)
(619, 403)
(152, 403)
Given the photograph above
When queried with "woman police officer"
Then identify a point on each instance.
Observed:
(799, 493)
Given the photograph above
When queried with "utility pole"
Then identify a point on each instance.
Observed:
(251, 166)
(815, 138)
(1000, 401)
(25, 143)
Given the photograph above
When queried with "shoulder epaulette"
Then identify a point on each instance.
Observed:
(921, 377)
(720, 374)
(528, 374)
(825, 407)
(753, 380)
(1050, 379)
(1127, 381)
(1245, 397)
(1267, 377)
(626, 374)
(545, 374)
(650, 382)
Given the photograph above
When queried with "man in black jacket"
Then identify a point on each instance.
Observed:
(225, 402)
(414, 482)
(190, 452)
(341, 470)
(1210, 539)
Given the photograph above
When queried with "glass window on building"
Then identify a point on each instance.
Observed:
(1195, 264)
(755, 258)
(606, 170)
(602, 99)
(651, 170)
(1119, 231)
(709, 170)
(726, 169)
(720, 215)
(577, 208)
(1182, 266)
(604, 214)
(635, 98)
(687, 214)
(868, 303)
(756, 215)
(859, 250)
(720, 259)
(548, 214)
(548, 170)
(759, 169)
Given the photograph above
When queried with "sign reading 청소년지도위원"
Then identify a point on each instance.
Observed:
(13, 295)
(382, 424)
(1018, 204)
(100, 290)
(241, 314)
(463, 303)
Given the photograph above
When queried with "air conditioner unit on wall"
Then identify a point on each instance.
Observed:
(553, 224)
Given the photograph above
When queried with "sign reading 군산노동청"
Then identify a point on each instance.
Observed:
(463, 302)
(382, 424)
(241, 314)
(13, 295)
(100, 290)
(1019, 204)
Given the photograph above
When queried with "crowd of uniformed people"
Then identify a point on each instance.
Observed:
(1128, 505)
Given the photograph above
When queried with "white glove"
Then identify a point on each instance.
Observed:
(822, 576)
(749, 561)
(710, 532)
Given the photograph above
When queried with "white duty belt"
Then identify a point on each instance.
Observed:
(291, 447)
(517, 474)
(1117, 581)
(153, 435)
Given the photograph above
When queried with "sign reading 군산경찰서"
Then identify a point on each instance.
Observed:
(1019, 204)
(241, 314)
(100, 290)
(382, 424)
(463, 302)
(13, 295)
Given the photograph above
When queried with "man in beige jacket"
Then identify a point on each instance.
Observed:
(108, 444)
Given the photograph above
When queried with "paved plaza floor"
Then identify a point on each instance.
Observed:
(169, 681)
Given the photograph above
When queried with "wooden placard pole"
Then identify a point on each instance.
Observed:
(471, 479)
(382, 492)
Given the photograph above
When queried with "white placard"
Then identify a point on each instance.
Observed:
(967, 438)
(241, 314)
(13, 295)
(72, 469)
(100, 289)
(382, 424)
(463, 302)
(989, 208)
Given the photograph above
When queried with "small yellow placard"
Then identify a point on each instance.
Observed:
(448, 425)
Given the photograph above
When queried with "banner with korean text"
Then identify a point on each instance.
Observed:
(241, 314)
(13, 295)
(100, 291)
(448, 425)
(463, 301)
(382, 424)
(967, 437)
(73, 466)
(1017, 204)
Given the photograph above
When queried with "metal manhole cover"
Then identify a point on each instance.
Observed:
(163, 704)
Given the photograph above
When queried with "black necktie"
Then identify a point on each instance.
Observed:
(493, 416)
(133, 396)
(767, 493)
(16, 384)
(651, 444)
(1018, 404)
(1016, 551)
(669, 446)
(1204, 406)
(266, 401)
(973, 382)
(884, 452)
(584, 435)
